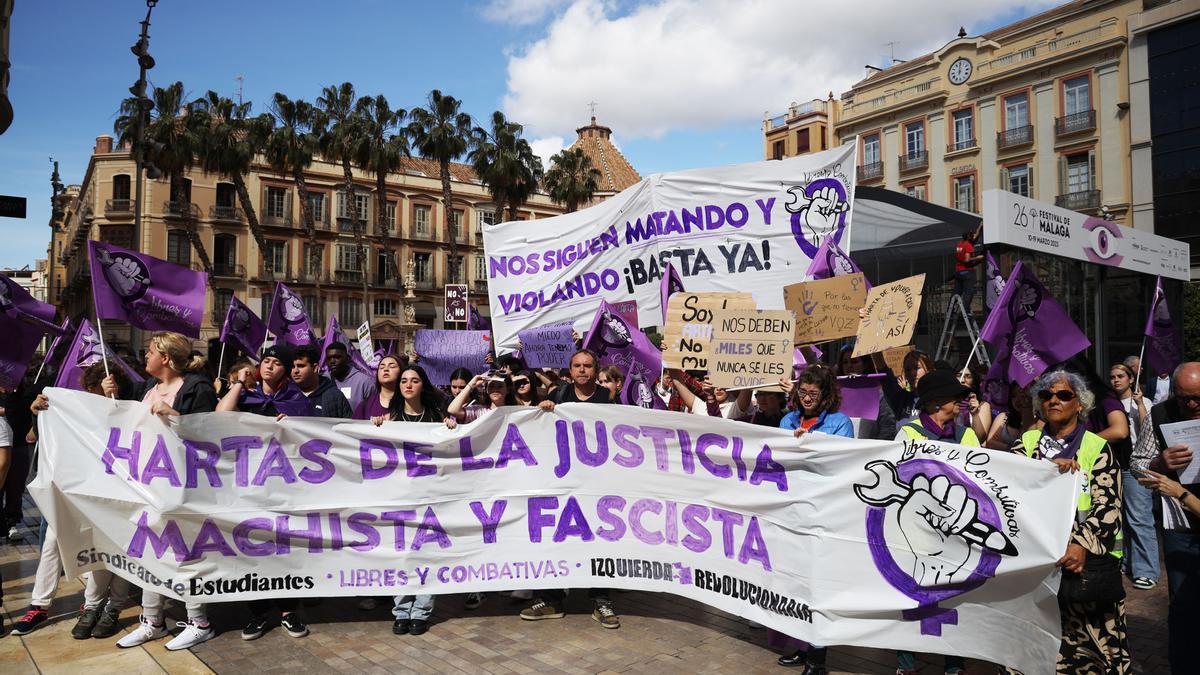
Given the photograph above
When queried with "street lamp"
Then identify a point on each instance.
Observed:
(141, 50)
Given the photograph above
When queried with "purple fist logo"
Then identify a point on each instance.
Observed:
(614, 332)
(818, 210)
(126, 274)
(933, 534)
(1027, 299)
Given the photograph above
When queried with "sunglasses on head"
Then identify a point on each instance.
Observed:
(1063, 395)
(520, 382)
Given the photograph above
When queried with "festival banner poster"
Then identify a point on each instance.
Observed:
(826, 309)
(823, 538)
(441, 352)
(689, 327)
(747, 228)
(144, 291)
(750, 347)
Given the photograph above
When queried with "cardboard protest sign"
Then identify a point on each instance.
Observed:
(750, 348)
(689, 326)
(442, 351)
(826, 309)
(891, 316)
(894, 357)
(547, 346)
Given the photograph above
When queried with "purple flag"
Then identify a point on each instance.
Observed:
(23, 322)
(831, 261)
(994, 388)
(66, 330)
(860, 395)
(619, 344)
(476, 321)
(288, 320)
(86, 350)
(334, 333)
(1164, 337)
(1031, 328)
(243, 328)
(995, 282)
(145, 291)
(671, 284)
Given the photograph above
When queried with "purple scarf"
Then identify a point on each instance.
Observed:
(948, 432)
(1066, 447)
(288, 400)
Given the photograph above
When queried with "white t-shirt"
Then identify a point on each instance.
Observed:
(6, 439)
(1132, 412)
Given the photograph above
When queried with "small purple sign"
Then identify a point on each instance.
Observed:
(441, 352)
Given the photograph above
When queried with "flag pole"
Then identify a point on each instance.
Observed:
(103, 348)
(221, 363)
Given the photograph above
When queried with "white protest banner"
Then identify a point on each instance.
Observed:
(750, 348)
(823, 538)
(745, 228)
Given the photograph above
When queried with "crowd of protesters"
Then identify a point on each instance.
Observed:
(1107, 428)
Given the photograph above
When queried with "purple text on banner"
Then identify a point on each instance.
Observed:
(443, 351)
(547, 346)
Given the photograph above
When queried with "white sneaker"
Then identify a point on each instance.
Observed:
(191, 636)
(145, 632)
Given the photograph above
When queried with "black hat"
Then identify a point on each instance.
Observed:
(940, 385)
(281, 352)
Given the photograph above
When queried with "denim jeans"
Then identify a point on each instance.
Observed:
(1182, 553)
(964, 286)
(1141, 539)
(413, 607)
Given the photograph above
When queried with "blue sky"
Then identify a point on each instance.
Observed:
(539, 60)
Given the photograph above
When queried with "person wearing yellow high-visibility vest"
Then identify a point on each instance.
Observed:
(1093, 633)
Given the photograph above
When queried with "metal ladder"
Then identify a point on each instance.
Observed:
(950, 327)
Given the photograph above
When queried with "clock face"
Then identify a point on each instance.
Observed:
(960, 71)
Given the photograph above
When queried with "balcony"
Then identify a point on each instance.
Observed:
(277, 218)
(282, 273)
(870, 171)
(344, 224)
(1015, 137)
(961, 145)
(387, 229)
(119, 208)
(1076, 123)
(228, 214)
(425, 283)
(347, 276)
(425, 233)
(228, 269)
(1084, 200)
(914, 161)
(180, 210)
(313, 277)
(479, 286)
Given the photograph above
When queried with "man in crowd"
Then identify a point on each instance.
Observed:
(965, 262)
(583, 388)
(327, 400)
(1181, 547)
(354, 384)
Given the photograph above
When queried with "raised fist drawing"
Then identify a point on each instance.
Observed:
(928, 523)
(1028, 300)
(820, 212)
(123, 274)
(293, 309)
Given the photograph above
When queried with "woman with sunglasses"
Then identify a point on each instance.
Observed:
(1093, 632)
(525, 389)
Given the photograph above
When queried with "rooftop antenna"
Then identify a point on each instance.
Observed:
(892, 52)
(239, 79)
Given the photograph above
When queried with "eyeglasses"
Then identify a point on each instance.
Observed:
(808, 393)
(1063, 395)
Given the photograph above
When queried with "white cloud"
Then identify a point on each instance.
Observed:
(705, 63)
(520, 12)
(547, 148)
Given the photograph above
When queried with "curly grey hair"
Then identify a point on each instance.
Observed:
(1087, 399)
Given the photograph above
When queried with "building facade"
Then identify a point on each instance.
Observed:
(102, 207)
(1060, 107)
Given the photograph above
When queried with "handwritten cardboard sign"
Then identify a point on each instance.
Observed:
(547, 346)
(891, 316)
(689, 326)
(442, 351)
(750, 348)
(826, 309)
(894, 358)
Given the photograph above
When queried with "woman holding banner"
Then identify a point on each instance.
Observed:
(418, 401)
(1091, 594)
(377, 404)
(177, 386)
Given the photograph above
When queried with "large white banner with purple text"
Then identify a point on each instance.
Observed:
(746, 228)
(917, 545)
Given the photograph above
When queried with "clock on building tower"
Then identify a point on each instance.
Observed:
(960, 71)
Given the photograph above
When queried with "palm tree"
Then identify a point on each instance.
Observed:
(170, 142)
(229, 141)
(380, 149)
(506, 163)
(441, 132)
(572, 180)
(341, 130)
(290, 149)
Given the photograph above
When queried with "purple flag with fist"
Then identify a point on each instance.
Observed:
(1031, 327)
(289, 320)
(831, 261)
(617, 343)
(1164, 337)
(671, 283)
(145, 291)
(243, 328)
(86, 350)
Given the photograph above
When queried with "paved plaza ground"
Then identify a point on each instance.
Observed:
(659, 634)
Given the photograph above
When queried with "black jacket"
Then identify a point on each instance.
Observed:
(329, 401)
(195, 396)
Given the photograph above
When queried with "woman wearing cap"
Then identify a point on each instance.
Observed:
(176, 386)
(1093, 626)
(418, 401)
(816, 399)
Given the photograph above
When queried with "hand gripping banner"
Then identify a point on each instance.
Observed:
(917, 545)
